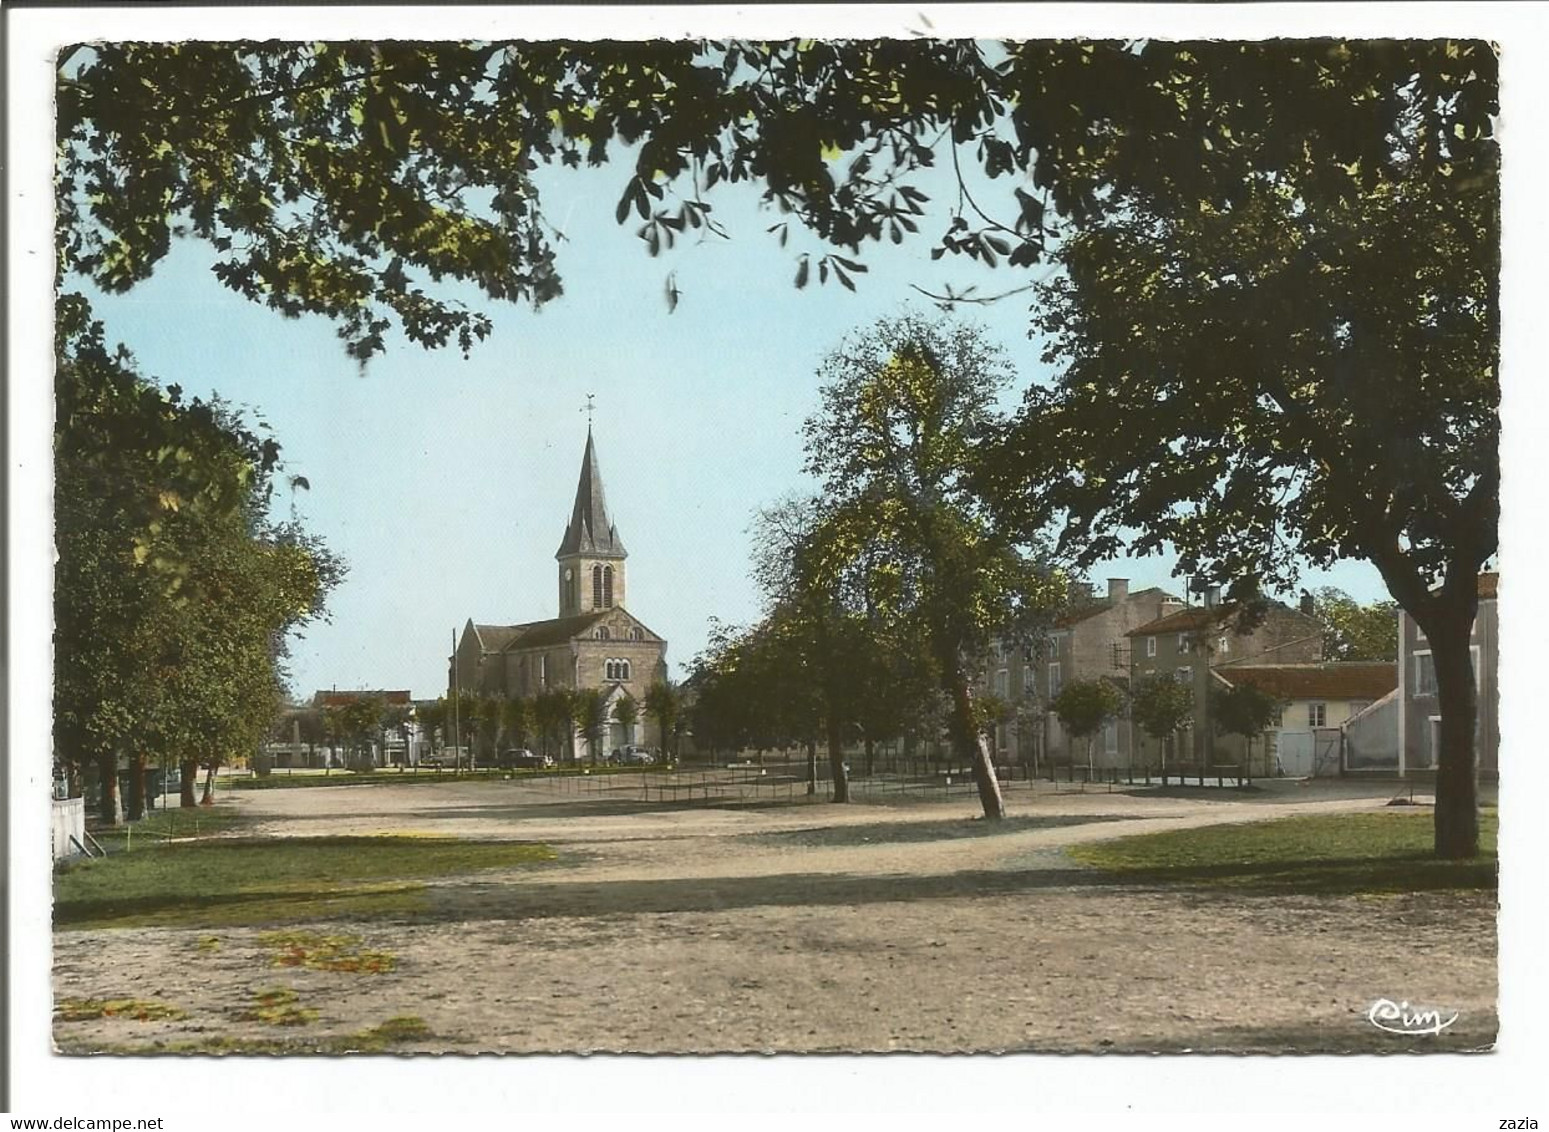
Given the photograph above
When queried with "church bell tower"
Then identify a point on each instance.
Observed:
(591, 557)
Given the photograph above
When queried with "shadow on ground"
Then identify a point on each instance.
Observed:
(950, 829)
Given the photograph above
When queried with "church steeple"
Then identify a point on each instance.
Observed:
(591, 556)
(590, 530)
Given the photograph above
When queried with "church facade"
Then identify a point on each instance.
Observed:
(595, 642)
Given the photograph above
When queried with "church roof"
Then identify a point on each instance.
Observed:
(537, 634)
(590, 530)
(542, 634)
(493, 638)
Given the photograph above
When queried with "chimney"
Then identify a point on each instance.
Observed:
(1079, 591)
(1307, 605)
(1212, 596)
(1170, 606)
(1118, 590)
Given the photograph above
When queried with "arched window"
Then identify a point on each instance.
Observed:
(615, 669)
(636, 635)
(607, 587)
(597, 587)
(602, 633)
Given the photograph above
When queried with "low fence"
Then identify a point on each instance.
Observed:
(787, 781)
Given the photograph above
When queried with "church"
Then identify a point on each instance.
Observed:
(595, 642)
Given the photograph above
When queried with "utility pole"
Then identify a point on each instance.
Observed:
(457, 756)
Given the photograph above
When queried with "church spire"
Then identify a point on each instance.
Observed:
(590, 532)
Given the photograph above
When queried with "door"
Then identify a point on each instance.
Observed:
(1294, 754)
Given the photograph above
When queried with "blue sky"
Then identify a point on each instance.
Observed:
(445, 483)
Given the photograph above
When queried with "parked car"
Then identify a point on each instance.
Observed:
(521, 757)
(634, 756)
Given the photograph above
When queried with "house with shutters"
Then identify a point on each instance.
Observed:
(595, 642)
(1086, 642)
(1188, 643)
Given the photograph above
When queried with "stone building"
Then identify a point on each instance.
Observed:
(1189, 644)
(1087, 642)
(595, 642)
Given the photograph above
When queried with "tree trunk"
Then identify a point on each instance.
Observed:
(836, 769)
(209, 786)
(107, 801)
(969, 743)
(188, 775)
(1457, 780)
(135, 803)
(812, 767)
(871, 757)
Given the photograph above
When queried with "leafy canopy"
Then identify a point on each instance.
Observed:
(1161, 706)
(352, 179)
(1085, 705)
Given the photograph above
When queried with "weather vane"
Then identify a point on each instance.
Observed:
(590, 397)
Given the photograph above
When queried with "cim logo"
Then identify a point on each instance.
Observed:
(1402, 1018)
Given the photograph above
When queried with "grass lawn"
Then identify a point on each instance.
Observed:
(233, 881)
(1321, 854)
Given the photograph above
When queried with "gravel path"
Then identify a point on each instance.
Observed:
(813, 927)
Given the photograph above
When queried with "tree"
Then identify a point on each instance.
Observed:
(664, 703)
(360, 721)
(591, 717)
(487, 711)
(432, 719)
(549, 717)
(516, 720)
(1162, 706)
(1245, 710)
(626, 713)
(174, 592)
(825, 663)
(395, 720)
(906, 413)
(1344, 405)
(556, 711)
(1084, 706)
(1353, 631)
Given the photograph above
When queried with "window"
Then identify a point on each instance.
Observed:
(636, 635)
(607, 587)
(543, 671)
(1184, 675)
(602, 633)
(1358, 706)
(1317, 715)
(1027, 679)
(1150, 646)
(1224, 645)
(1185, 644)
(1054, 679)
(1111, 737)
(596, 587)
(615, 669)
(1425, 671)
(1003, 683)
